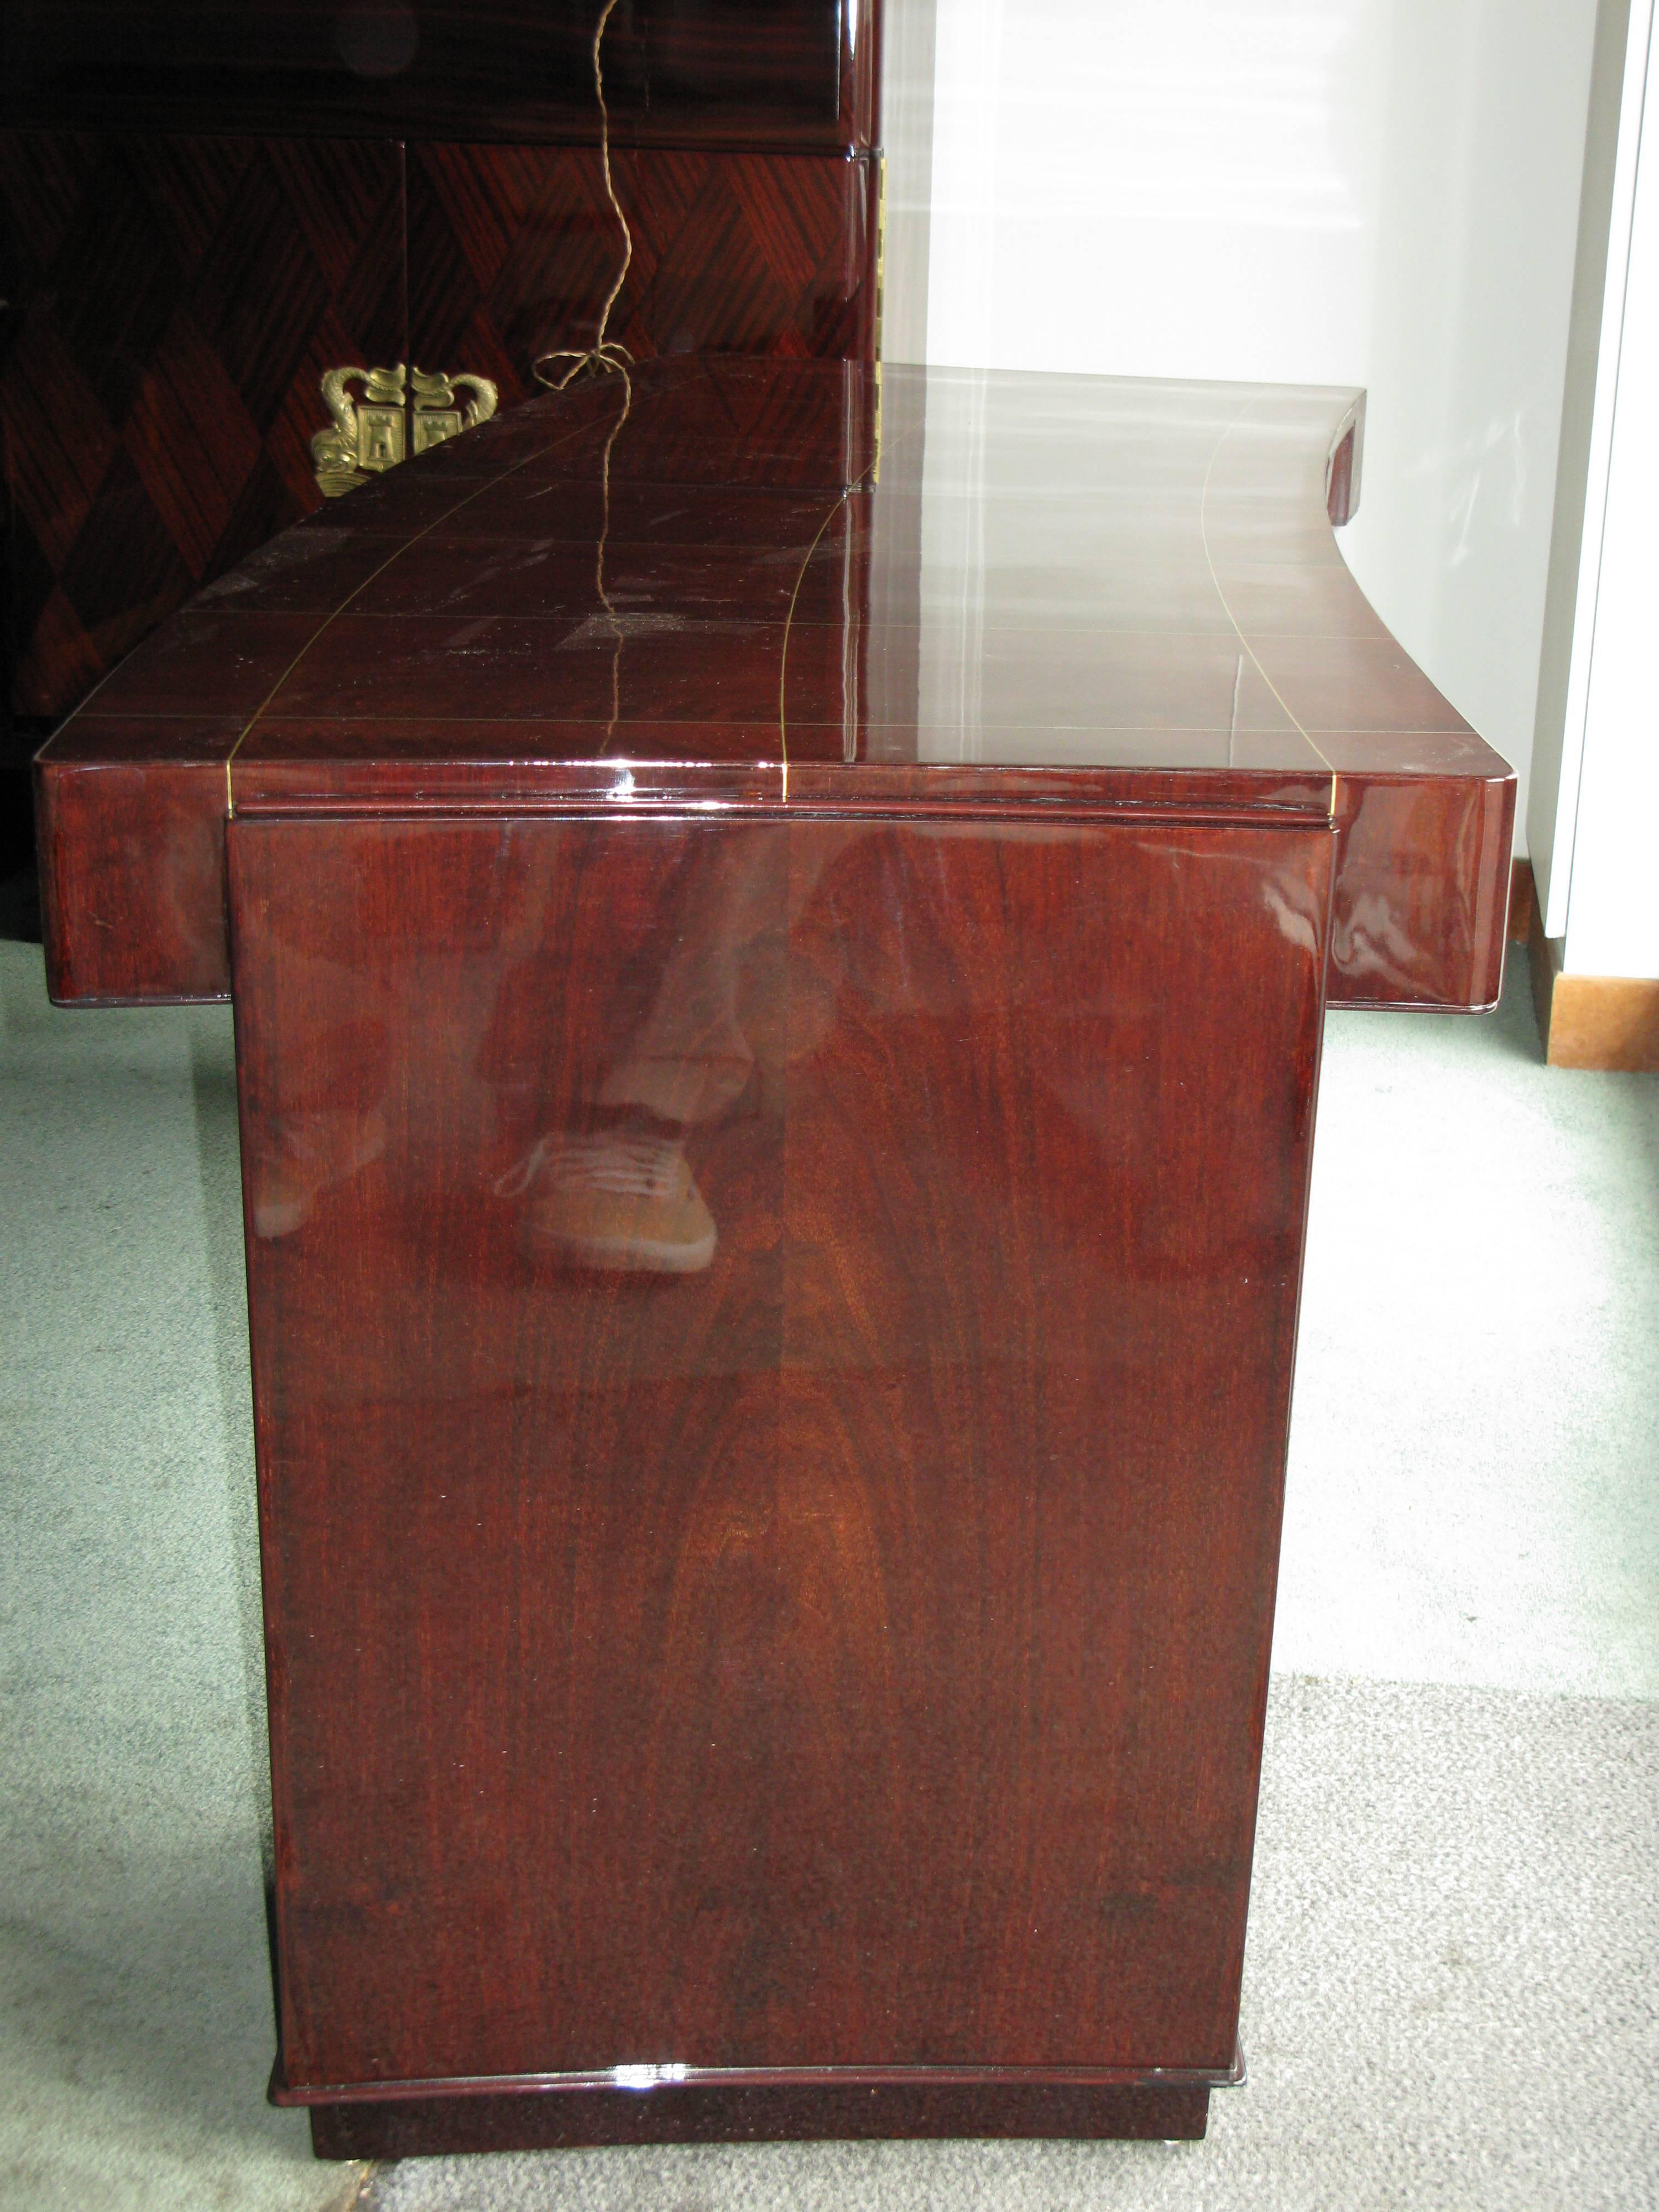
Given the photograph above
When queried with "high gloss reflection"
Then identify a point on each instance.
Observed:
(772, 1335)
(1051, 588)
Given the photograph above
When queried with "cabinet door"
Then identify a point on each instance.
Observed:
(772, 1351)
(174, 303)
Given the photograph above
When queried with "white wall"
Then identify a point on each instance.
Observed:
(1604, 845)
(1380, 192)
(1618, 84)
(906, 136)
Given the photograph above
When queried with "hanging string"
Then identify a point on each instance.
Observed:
(604, 357)
(598, 565)
(604, 354)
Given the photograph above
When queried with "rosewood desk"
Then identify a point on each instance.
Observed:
(780, 925)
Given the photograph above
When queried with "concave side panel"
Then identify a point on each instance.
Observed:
(840, 1637)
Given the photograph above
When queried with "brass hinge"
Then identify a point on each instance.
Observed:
(881, 289)
(881, 245)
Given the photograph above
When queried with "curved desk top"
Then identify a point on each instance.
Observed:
(701, 586)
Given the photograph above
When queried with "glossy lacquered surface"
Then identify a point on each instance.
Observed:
(849, 1652)
(759, 73)
(701, 585)
(568, 2118)
(171, 303)
(512, 251)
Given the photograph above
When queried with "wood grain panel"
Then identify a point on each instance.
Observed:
(852, 1653)
(1422, 897)
(132, 871)
(1608, 1022)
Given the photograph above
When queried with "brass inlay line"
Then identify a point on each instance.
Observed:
(1204, 535)
(788, 624)
(869, 471)
(598, 562)
(881, 296)
(825, 722)
(437, 523)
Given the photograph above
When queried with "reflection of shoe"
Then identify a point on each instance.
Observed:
(618, 1200)
(309, 1151)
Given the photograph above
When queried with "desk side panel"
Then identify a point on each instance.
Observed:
(132, 881)
(841, 1636)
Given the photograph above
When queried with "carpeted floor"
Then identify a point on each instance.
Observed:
(1449, 2001)
(1451, 1994)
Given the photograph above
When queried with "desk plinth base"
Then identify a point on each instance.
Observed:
(573, 2119)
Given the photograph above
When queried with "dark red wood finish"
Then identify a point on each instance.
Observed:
(1342, 476)
(568, 2118)
(816, 1688)
(132, 873)
(800, 74)
(512, 251)
(666, 592)
(852, 1655)
(172, 304)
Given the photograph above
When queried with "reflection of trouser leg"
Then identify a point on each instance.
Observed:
(690, 1059)
(322, 1119)
(622, 1195)
(680, 1086)
(692, 1056)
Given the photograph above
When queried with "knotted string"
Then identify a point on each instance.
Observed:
(604, 354)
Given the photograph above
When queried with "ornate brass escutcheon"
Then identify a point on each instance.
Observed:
(373, 434)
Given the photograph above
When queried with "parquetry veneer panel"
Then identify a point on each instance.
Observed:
(174, 302)
(514, 250)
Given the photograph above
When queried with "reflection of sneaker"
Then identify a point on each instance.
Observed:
(307, 1153)
(618, 1200)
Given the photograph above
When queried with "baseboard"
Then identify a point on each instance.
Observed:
(1608, 1022)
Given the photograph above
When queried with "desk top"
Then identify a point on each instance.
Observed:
(770, 585)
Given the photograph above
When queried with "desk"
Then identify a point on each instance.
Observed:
(779, 952)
